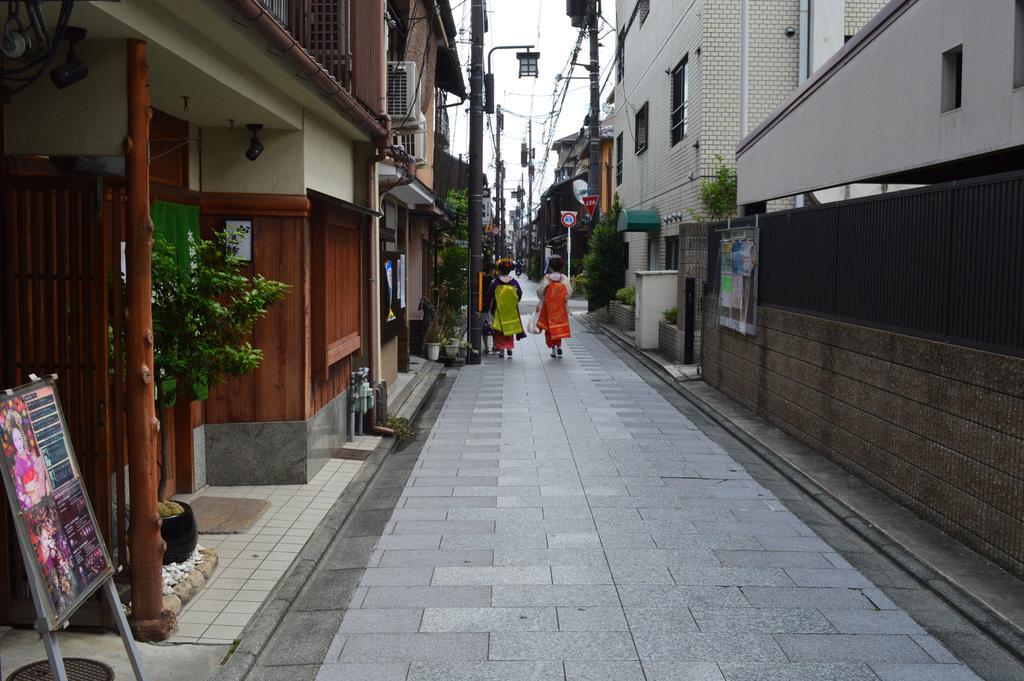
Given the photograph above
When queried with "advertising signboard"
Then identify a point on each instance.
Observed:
(737, 298)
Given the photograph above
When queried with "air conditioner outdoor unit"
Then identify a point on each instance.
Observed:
(415, 144)
(403, 93)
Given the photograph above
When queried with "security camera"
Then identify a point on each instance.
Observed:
(790, 31)
(255, 146)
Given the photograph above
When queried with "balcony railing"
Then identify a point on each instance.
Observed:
(332, 31)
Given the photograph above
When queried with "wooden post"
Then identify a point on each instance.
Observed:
(145, 545)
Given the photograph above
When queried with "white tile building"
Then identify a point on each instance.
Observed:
(655, 37)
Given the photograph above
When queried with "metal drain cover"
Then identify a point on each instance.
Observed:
(78, 668)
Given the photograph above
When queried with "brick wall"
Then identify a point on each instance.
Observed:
(859, 13)
(939, 428)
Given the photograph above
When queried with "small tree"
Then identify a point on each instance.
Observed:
(718, 195)
(603, 262)
(203, 315)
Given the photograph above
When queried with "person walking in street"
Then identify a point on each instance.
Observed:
(554, 292)
(503, 298)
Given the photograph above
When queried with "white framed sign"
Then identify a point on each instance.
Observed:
(242, 230)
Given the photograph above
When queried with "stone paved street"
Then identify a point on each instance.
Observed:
(564, 521)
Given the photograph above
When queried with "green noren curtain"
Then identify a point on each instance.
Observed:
(174, 222)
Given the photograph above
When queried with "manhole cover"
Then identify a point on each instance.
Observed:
(78, 668)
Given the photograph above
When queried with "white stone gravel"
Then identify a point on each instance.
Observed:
(175, 572)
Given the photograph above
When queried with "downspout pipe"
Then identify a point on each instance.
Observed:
(281, 40)
(805, 58)
(373, 304)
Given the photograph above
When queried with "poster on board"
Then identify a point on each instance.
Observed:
(392, 306)
(737, 299)
(63, 549)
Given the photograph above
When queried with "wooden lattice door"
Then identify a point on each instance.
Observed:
(54, 272)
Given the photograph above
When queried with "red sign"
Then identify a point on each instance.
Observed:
(568, 219)
(590, 202)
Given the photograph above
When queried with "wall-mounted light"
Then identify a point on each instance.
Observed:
(73, 69)
(255, 146)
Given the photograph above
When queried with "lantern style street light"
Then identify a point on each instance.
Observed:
(528, 68)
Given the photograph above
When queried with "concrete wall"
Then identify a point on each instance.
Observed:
(329, 160)
(655, 293)
(881, 113)
(939, 428)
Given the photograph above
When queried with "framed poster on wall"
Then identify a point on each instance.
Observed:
(737, 292)
(392, 294)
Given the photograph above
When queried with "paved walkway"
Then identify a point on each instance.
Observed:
(565, 522)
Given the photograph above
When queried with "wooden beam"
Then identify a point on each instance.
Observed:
(149, 620)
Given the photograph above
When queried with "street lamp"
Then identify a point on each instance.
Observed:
(528, 68)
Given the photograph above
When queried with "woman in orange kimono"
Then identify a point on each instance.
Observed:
(554, 292)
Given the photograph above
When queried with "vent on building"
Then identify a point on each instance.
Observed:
(403, 94)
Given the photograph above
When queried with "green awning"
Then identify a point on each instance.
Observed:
(639, 221)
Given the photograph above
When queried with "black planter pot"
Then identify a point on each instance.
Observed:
(181, 535)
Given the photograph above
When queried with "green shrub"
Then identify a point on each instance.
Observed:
(579, 284)
(403, 429)
(671, 315)
(626, 295)
(603, 262)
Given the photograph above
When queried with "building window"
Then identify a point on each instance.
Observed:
(618, 160)
(640, 130)
(1018, 47)
(643, 8)
(672, 253)
(620, 58)
(952, 79)
(680, 102)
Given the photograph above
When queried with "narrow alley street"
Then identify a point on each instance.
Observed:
(565, 521)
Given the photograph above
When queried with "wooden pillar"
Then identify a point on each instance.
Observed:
(145, 546)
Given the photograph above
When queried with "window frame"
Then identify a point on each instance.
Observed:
(679, 114)
(672, 252)
(953, 79)
(644, 112)
(620, 58)
(619, 157)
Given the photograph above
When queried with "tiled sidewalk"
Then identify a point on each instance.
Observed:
(566, 523)
(253, 562)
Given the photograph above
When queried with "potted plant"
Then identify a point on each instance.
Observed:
(435, 336)
(205, 306)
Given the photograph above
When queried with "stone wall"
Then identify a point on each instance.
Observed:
(623, 316)
(670, 342)
(939, 428)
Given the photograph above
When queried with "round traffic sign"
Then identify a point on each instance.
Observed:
(568, 219)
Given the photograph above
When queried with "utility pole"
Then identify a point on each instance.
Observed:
(594, 174)
(476, 177)
(529, 166)
(499, 186)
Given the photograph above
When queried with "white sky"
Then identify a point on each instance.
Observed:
(542, 23)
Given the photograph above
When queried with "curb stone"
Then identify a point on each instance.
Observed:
(261, 628)
(1008, 636)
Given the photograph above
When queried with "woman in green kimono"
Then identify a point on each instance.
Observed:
(504, 295)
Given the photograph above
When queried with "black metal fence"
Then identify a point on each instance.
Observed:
(944, 262)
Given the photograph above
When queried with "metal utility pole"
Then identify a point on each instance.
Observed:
(476, 177)
(529, 166)
(594, 174)
(499, 187)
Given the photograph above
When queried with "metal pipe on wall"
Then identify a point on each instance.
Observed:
(805, 57)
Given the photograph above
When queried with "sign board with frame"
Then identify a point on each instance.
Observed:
(62, 548)
(738, 265)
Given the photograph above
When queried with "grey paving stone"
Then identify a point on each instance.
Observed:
(486, 671)
(762, 620)
(444, 527)
(495, 514)
(490, 576)
(850, 579)
(603, 671)
(389, 576)
(562, 646)
(851, 648)
(411, 647)
(381, 621)
(419, 514)
(872, 622)
(452, 502)
(779, 543)
(637, 595)
(555, 595)
(444, 558)
(935, 649)
(655, 619)
(665, 557)
(583, 618)
(580, 574)
(690, 542)
(729, 576)
(409, 542)
(924, 672)
(642, 574)
(710, 647)
(302, 638)
(585, 540)
(489, 619)
(395, 671)
(549, 557)
(797, 672)
(427, 596)
(681, 670)
(778, 559)
(800, 597)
